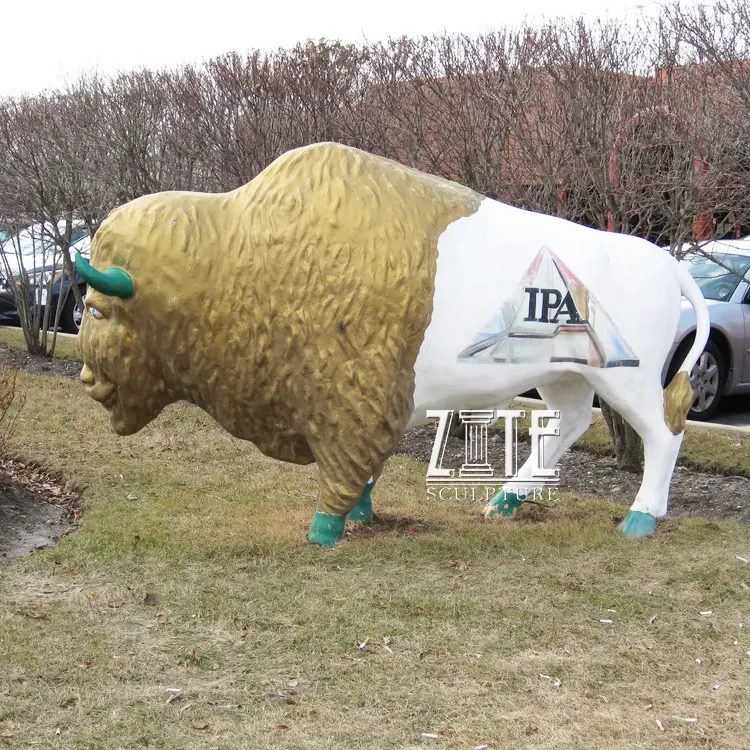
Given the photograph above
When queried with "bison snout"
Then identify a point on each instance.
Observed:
(87, 376)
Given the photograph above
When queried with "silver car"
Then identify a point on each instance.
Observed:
(722, 271)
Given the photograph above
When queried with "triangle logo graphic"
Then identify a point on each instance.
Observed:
(552, 317)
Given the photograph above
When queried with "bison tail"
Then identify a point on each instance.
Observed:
(678, 395)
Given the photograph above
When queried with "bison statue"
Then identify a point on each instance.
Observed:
(326, 306)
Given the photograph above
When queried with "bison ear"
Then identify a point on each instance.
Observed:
(113, 282)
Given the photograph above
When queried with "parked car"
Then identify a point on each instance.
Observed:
(722, 271)
(33, 250)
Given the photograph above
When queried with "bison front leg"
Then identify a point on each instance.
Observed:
(347, 477)
(362, 511)
(573, 397)
(352, 444)
(349, 469)
(338, 501)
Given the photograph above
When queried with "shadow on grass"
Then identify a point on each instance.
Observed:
(384, 523)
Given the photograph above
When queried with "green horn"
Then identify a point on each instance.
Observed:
(114, 281)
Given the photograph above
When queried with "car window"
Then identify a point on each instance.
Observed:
(718, 278)
(33, 248)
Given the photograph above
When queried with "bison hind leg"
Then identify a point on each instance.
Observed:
(660, 451)
(638, 523)
(573, 397)
(641, 404)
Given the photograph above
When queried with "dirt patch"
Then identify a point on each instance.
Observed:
(692, 493)
(383, 522)
(35, 510)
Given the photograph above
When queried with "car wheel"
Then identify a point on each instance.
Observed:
(707, 379)
(71, 316)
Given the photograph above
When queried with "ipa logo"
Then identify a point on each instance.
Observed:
(552, 317)
(552, 307)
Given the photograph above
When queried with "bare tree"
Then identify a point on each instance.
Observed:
(714, 44)
(29, 185)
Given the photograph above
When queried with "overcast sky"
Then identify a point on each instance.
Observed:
(46, 42)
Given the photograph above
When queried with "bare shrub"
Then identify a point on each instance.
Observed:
(12, 399)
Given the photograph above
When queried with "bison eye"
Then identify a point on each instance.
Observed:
(95, 313)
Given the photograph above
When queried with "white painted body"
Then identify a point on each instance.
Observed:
(482, 261)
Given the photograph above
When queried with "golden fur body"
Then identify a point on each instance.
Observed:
(291, 309)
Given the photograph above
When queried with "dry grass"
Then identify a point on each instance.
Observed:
(713, 451)
(66, 347)
(259, 630)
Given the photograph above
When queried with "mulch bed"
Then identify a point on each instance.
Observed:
(692, 493)
(67, 368)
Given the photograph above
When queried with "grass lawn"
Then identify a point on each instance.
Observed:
(204, 584)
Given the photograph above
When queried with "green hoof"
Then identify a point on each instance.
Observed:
(637, 523)
(503, 504)
(326, 529)
(362, 511)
